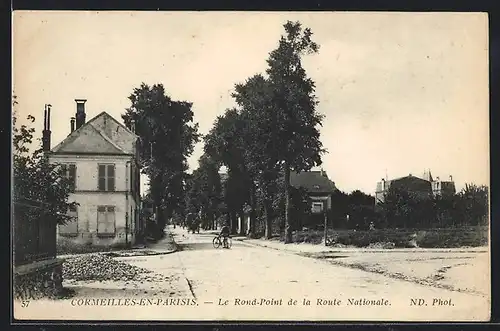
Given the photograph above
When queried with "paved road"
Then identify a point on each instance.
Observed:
(255, 283)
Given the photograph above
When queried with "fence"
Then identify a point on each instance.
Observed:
(34, 232)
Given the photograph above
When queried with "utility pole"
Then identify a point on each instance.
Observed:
(326, 222)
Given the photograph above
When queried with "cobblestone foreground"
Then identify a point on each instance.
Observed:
(256, 283)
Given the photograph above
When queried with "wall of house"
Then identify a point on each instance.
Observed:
(87, 170)
(87, 219)
(89, 198)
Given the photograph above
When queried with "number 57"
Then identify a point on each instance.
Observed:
(25, 303)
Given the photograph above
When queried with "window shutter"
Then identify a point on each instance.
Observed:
(64, 169)
(102, 178)
(72, 176)
(110, 226)
(101, 219)
(111, 177)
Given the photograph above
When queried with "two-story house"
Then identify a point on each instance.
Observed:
(100, 158)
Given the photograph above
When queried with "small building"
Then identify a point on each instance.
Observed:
(100, 157)
(318, 186)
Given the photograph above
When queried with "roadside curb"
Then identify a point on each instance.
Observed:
(364, 250)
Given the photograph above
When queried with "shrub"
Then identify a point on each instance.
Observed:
(400, 238)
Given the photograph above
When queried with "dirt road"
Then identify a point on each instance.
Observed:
(255, 283)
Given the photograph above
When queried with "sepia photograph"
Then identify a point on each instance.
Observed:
(250, 166)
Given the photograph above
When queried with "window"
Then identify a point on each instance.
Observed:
(106, 220)
(71, 226)
(106, 177)
(317, 207)
(69, 172)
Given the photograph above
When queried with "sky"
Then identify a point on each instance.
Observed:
(401, 92)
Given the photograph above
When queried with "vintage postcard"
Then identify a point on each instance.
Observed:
(250, 166)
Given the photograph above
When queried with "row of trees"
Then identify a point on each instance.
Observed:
(469, 207)
(403, 209)
(272, 131)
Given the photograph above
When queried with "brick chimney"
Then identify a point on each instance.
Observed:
(46, 129)
(72, 124)
(80, 112)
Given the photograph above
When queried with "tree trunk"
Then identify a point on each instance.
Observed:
(210, 225)
(251, 230)
(242, 222)
(269, 220)
(288, 230)
(233, 222)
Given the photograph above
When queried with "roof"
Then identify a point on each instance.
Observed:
(99, 136)
(312, 181)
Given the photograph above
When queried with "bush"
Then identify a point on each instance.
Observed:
(400, 238)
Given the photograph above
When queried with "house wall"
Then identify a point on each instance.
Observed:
(87, 170)
(89, 198)
(87, 218)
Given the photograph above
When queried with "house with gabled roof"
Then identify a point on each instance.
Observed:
(318, 186)
(100, 158)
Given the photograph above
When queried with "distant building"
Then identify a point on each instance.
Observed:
(425, 186)
(319, 187)
(440, 187)
(316, 183)
(100, 158)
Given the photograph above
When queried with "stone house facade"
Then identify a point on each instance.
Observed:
(100, 158)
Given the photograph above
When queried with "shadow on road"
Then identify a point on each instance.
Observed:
(194, 246)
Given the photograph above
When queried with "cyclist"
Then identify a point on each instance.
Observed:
(224, 233)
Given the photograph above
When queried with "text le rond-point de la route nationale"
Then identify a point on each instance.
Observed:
(256, 302)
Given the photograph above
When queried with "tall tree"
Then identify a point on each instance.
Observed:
(254, 98)
(167, 137)
(474, 204)
(225, 145)
(205, 192)
(296, 118)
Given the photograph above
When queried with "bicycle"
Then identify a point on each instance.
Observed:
(218, 242)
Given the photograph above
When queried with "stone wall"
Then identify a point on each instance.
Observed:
(38, 279)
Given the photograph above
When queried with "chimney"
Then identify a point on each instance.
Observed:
(132, 125)
(451, 178)
(80, 112)
(46, 129)
(72, 123)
